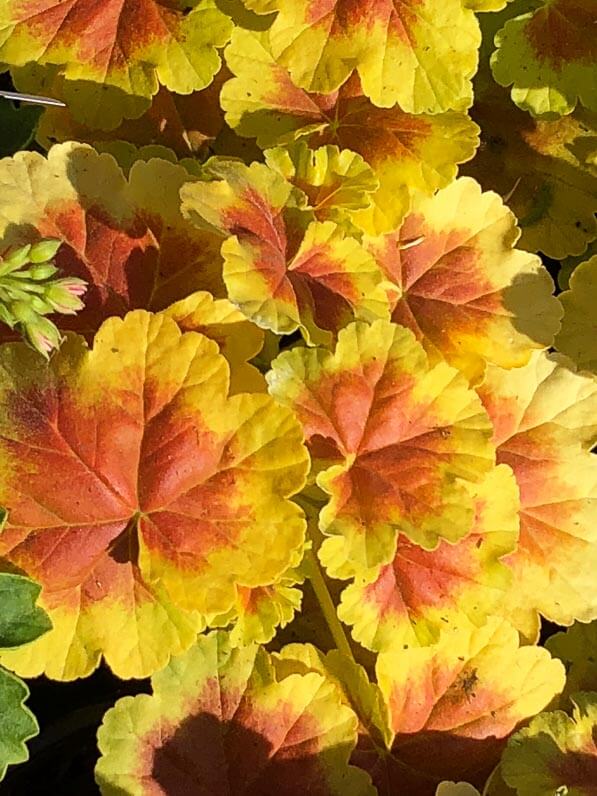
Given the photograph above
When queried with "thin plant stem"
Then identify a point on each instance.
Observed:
(328, 609)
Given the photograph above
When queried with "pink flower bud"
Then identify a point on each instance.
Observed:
(64, 295)
(43, 336)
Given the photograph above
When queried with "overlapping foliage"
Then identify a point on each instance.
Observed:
(299, 425)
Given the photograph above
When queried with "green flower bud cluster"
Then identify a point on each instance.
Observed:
(29, 291)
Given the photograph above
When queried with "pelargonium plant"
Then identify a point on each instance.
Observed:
(299, 434)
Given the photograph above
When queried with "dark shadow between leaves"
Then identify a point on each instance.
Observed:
(208, 757)
(418, 762)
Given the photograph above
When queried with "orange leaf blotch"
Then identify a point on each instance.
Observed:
(465, 290)
(444, 287)
(130, 478)
(124, 236)
(378, 134)
(252, 215)
(119, 265)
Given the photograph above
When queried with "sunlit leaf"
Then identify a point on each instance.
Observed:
(125, 237)
(220, 720)
(543, 169)
(356, 689)
(284, 274)
(578, 335)
(550, 57)
(451, 705)
(259, 612)
(413, 597)
(419, 54)
(239, 339)
(394, 438)
(545, 418)
(115, 55)
(407, 152)
(139, 494)
(556, 754)
(335, 182)
(463, 287)
(483, 5)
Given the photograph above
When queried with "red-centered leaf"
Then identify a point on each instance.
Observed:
(115, 54)
(549, 56)
(395, 440)
(221, 721)
(125, 237)
(556, 753)
(545, 420)
(452, 706)
(464, 288)
(281, 269)
(419, 54)
(139, 494)
(408, 152)
(545, 168)
(417, 594)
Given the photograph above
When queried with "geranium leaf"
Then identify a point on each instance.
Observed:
(139, 494)
(115, 55)
(259, 612)
(453, 697)
(21, 620)
(413, 597)
(545, 417)
(543, 168)
(125, 237)
(335, 182)
(463, 287)
(219, 718)
(556, 753)
(18, 723)
(186, 123)
(407, 152)
(239, 339)
(550, 55)
(577, 649)
(579, 325)
(418, 54)
(393, 437)
(282, 273)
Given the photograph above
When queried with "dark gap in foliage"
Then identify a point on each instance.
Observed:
(62, 757)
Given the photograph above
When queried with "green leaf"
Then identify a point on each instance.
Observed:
(21, 620)
(18, 724)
